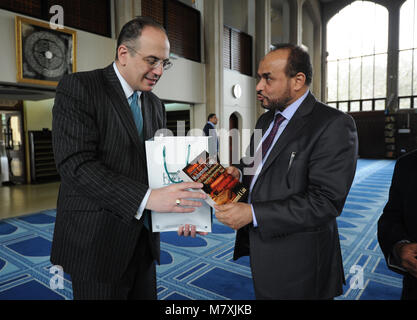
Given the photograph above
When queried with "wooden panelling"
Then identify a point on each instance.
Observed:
(183, 27)
(370, 126)
(31, 8)
(406, 136)
(226, 48)
(382, 136)
(174, 116)
(154, 9)
(182, 24)
(88, 15)
(79, 14)
(237, 51)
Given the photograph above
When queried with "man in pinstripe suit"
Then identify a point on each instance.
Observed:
(101, 235)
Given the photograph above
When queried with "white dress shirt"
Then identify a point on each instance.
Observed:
(127, 89)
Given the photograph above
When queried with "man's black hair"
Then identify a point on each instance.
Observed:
(298, 61)
(132, 30)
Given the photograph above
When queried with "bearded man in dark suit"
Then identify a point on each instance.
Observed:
(300, 175)
(101, 119)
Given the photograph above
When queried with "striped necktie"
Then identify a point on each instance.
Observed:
(137, 117)
(137, 113)
(266, 145)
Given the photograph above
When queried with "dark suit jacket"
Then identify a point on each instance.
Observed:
(103, 171)
(399, 219)
(213, 141)
(295, 250)
(207, 128)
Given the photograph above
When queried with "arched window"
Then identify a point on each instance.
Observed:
(407, 56)
(357, 44)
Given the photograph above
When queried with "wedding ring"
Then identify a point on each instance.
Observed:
(178, 202)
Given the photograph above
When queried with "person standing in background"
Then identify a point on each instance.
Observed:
(210, 131)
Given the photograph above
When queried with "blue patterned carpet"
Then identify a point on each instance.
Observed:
(203, 268)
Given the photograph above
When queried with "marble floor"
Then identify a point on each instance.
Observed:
(19, 200)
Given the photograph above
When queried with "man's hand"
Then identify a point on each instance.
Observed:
(408, 255)
(189, 230)
(165, 199)
(234, 215)
(234, 172)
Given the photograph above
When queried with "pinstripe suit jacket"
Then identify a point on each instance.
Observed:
(102, 164)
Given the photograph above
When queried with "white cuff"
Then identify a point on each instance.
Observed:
(393, 256)
(143, 204)
(241, 175)
(393, 265)
(255, 223)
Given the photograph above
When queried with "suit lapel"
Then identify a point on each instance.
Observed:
(291, 131)
(121, 106)
(147, 114)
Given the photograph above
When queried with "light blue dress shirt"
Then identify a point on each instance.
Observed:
(287, 114)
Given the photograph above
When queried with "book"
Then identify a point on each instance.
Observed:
(220, 187)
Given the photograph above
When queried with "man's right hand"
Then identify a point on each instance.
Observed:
(234, 172)
(408, 255)
(165, 199)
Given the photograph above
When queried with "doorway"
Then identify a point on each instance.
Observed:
(12, 146)
(178, 117)
(234, 139)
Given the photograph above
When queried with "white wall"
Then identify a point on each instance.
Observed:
(7, 48)
(93, 51)
(38, 114)
(184, 82)
(244, 107)
(236, 14)
(308, 33)
(280, 23)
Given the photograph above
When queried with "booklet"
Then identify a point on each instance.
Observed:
(220, 186)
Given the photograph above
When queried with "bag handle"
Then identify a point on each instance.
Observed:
(165, 163)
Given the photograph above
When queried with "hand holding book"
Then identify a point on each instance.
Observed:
(220, 186)
(234, 215)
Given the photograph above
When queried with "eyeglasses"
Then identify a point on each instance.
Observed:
(154, 62)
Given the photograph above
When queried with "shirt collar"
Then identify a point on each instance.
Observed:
(293, 107)
(127, 89)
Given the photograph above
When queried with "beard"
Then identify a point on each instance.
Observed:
(280, 103)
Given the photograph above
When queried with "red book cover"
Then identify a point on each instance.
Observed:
(220, 186)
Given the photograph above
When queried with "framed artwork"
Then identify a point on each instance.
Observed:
(43, 55)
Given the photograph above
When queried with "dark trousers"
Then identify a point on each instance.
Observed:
(409, 288)
(137, 283)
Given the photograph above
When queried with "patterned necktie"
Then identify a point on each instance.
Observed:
(137, 113)
(137, 117)
(266, 145)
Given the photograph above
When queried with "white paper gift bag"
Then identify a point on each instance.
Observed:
(166, 156)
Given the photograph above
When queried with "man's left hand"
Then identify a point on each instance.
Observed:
(234, 215)
(189, 230)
